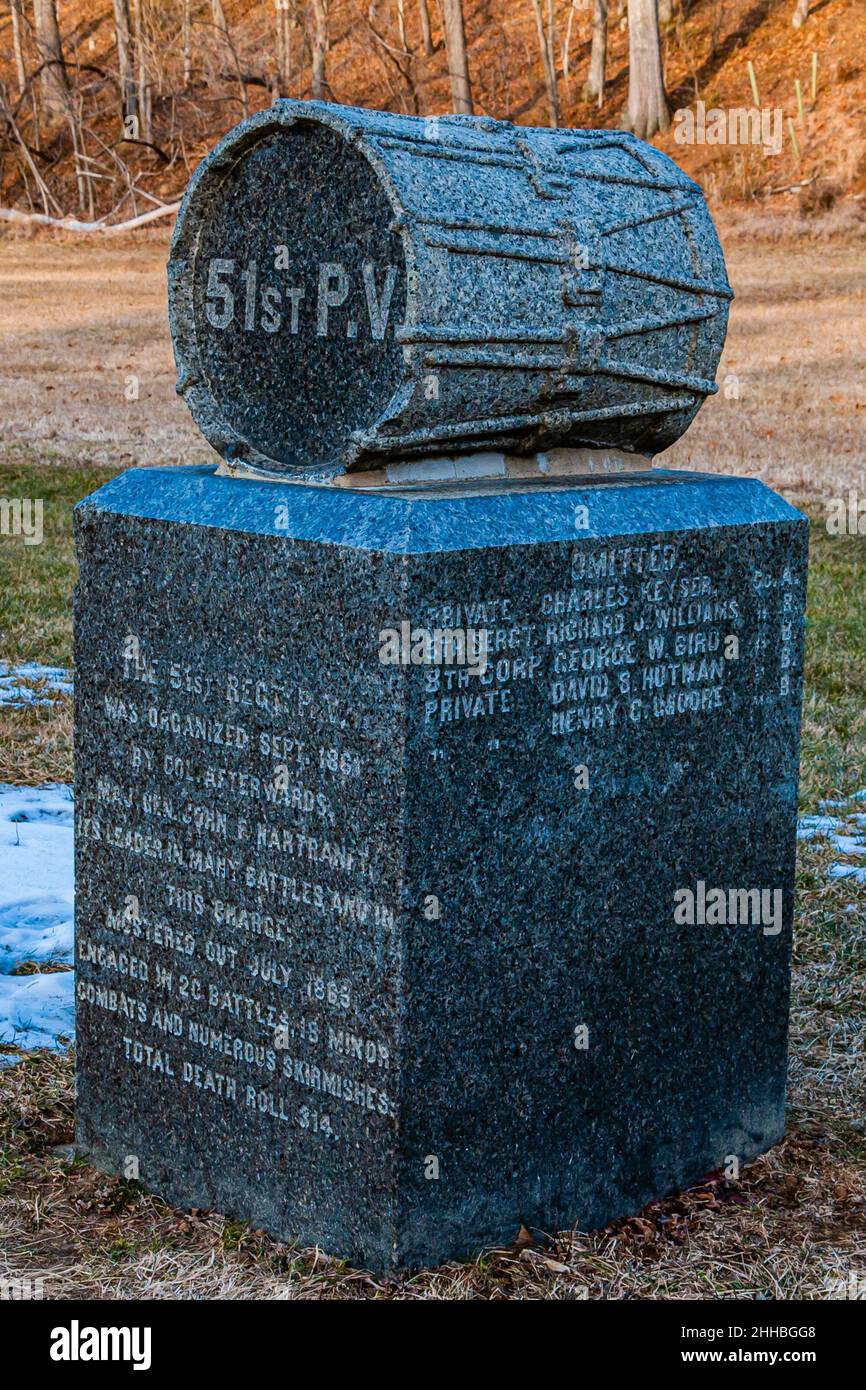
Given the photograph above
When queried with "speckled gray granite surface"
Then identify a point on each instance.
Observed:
(385, 957)
(439, 285)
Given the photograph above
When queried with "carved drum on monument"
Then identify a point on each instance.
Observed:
(439, 286)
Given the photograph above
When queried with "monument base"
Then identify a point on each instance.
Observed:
(392, 936)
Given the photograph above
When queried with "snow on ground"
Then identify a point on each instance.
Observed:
(846, 833)
(31, 684)
(36, 909)
(37, 1010)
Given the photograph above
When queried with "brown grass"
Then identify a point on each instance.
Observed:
(77, 320)
(36, 743)
(795, 353)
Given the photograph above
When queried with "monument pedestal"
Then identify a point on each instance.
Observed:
(391, 942)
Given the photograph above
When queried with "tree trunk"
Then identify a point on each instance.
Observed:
(126, 67)
(426, 31)
(144, 129)
(455, 49)
(801, 14)
(53, 79)
(221, 25)
(15, 11)
(593, 89)
(647, 104)
(72, 224)
(548, 59)
(186, 42)
(319, 45)
(283, 21)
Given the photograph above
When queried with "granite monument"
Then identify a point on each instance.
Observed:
(436, 754)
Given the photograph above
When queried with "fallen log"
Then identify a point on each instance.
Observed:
(73, 224)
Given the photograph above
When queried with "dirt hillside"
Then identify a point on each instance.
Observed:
(813, 150)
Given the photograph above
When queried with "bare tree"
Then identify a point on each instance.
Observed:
(426, 31)
(140, 51)
(395, 58)
(15, 12)
(546, 42)
(401, 24)
(647, 109)
(57, 92)
(283, 19)
(126, 66)
(186, 43)
(593, 88)
(455, 49)
(54, 79)
(801, 14)
(26, 157)
(319, 44)
(221, 25)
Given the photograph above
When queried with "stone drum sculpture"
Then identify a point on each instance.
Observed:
(436, 754)
(441, 285)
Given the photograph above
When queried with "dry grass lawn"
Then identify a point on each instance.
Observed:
(79, 321)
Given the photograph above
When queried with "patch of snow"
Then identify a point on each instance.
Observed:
(855, 871)
(848, 844)
(843, 834)
(833, 829)
(811, 826)
(37, 1010)
(36, 913)
(32, 684)
(839, 805)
